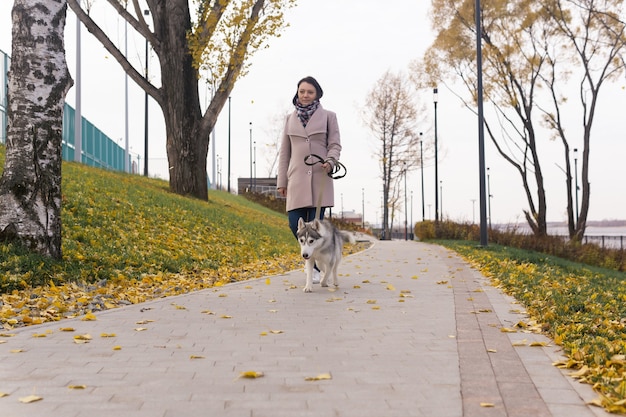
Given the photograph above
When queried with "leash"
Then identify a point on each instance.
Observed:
(338, 171)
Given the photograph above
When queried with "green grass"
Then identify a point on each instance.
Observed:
(121, 226)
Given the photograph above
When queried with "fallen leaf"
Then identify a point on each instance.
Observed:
(442, 282)
(319, 377)
(539, 344)
(107, 334)
(371, 301)
(117, 347)
(3, 394)
(276, 331)
(30, 399)
(519, 342)
(391, 287)
(77, 386)
(6, 335)
(487, 404)
(140, 329)
(225, 316)
(268, 281)
(196, 357)
(222, 295)
(507, 330)
(251, 374)
(144, 321)
(66, 329)
(208, 312)
(39, 335)
(16, 350)
(89, 317)
(492, 351)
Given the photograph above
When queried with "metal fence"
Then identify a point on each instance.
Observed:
(98, 149)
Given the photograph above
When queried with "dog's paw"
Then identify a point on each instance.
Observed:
(308, 289)
(324, 284)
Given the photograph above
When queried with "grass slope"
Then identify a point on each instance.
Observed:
(126, 238)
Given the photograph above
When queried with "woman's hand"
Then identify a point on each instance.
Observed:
(282, 191)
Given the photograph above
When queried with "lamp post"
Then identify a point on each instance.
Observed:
(254, 165)
(411, 222)
(441, 197)
(363, 208)
(250, 157)
(435, 99)
(228, 173)
(145, 126)
(406, 230)
(422, 167)
(489, 196)
(576, 179)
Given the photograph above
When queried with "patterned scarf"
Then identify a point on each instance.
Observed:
(305, 112)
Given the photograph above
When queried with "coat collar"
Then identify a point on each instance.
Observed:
(316, 124)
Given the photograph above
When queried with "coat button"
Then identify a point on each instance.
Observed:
(308, 172)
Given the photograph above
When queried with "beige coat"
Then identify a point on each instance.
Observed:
(303, 182)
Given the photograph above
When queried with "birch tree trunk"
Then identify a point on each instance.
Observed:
(30, 187)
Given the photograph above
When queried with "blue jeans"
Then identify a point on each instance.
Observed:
(308, 214)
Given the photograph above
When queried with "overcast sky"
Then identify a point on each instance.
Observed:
(348, 45)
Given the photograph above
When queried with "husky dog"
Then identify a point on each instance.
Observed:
(321, 243)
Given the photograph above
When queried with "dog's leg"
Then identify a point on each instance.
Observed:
(308, 267)
(333, 271)
(324, 280)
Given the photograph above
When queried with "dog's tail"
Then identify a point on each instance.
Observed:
(347, 237)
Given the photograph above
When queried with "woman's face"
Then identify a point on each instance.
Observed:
(306, 93)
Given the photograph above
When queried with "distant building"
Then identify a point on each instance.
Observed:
(258, 185)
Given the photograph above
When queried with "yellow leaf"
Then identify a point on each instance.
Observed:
(89, 317)
(487, 404)
(209, 312)
(196, 357)
(6, 335)
(66, 329)
(3, 394)
(442, 282)
(375, 307)
(222, 295)
(144, 321)
(492, 351)
(507, 330)
(30, 399)
(107, 334)
(117, 347)
(268, 281)
(82, 337)
(141, 329)
(539, 344)
(391, 287)
(39, 335)
(16, 350)
(273, 311)
(365, 281)
(519, 343)
(77, 386)
(371, 301)
(356, 287)
(251, 374)
(224, 316)
(319, 377)
(263, 333)
(276, 331)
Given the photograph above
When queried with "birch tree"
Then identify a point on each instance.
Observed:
(30, 187)
(219, 41)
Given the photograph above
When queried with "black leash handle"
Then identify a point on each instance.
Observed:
(338, 169)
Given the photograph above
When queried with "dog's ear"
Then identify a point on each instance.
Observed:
(316, 224)
(300, 223)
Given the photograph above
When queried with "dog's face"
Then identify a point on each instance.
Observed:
(309, 237)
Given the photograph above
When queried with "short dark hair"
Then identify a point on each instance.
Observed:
(314, 83)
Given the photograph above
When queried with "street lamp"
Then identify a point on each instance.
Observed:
(441, 196)
(422, 167)
(406, 231)
(435, 99)
(250, 156)
(576, 179)
(228, 171)
(145, 127)
(489, 196)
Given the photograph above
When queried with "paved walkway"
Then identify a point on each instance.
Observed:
(412, 331)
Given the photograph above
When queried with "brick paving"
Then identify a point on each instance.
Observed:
(411, 331)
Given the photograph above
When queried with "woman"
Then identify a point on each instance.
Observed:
(309, 130)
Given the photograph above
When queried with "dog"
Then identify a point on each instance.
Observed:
(321, 243)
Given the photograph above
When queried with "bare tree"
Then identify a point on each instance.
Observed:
(525, 52)
(220, 39)
(30, 187)
(390, 112)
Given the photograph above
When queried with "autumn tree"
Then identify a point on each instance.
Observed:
(30, 187)
(219, 40)
(525, 52)
(390, 112)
